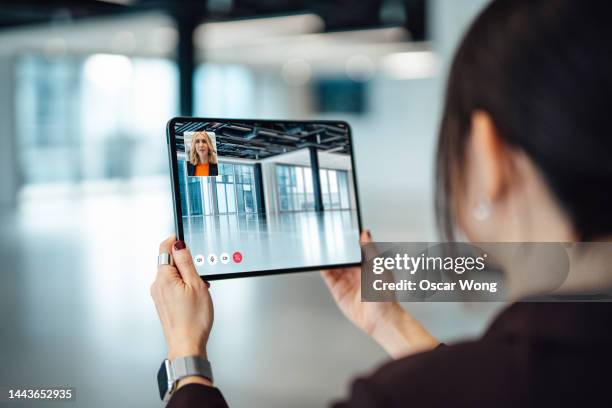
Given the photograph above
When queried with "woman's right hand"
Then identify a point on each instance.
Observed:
(387, 322)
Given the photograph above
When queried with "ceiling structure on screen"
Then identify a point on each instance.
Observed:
(260, 140)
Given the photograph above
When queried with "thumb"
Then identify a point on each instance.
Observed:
(184, 263)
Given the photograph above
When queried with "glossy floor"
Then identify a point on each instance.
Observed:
(75, 310)
(276, 241)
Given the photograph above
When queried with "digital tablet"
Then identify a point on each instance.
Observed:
(254, 197)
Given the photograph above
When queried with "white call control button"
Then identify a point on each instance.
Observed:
(212, 259)
(199, 260)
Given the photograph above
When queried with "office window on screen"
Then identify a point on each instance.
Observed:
(295, 188)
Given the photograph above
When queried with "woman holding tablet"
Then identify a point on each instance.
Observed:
(524, 155)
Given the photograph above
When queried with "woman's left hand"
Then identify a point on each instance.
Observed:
(183, 303)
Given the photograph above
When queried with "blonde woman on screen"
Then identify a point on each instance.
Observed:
(202, 156)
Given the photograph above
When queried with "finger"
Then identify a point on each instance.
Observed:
(184, 263)
(335, 278)
(370, 251)
(365, 237)
(368, 248)
(166, 244)
(329, 277)
(338, 281)
(167, 271)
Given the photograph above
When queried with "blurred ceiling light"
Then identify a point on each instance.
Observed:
(229, 33)
(296, 72)
(164, 39)
(360, 68)
(108, 71)
(410, 65)
(123, 42)
(55, 48)
(367, 36)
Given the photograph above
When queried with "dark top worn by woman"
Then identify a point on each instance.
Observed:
(213, 169)
(533, 355)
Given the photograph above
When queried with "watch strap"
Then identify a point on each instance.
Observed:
(191, 365)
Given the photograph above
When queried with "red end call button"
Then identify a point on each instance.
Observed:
(237, 256)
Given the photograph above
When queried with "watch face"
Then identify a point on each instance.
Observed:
(163, 380)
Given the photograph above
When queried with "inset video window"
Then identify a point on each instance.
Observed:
(202, 160)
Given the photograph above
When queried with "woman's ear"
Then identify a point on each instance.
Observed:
(488, 155)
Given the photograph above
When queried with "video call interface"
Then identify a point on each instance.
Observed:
(266, 196)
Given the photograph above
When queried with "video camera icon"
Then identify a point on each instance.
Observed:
(198, 260)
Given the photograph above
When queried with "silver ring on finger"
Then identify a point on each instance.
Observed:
(165, 259)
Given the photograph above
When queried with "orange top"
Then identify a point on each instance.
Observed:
(202, 170)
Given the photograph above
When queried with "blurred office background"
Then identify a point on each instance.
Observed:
(86, 88)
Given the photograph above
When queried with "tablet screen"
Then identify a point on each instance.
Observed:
(263, 197)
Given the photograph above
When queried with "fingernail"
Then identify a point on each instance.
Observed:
(369, 235)
(178, 245)
(207, 284)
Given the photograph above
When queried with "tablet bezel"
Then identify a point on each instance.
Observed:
(176, 194)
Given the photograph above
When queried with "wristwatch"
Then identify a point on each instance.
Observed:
(171, 372)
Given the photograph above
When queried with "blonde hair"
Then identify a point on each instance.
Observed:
(212, 151)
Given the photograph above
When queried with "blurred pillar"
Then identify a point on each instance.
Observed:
(187, 16)
(416, 19)
(316, 178)
(259, 189)
(9, 169)
(214, 196)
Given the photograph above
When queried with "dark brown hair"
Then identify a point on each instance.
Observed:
(542, 69)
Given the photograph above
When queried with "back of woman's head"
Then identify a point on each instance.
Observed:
(542, 69)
